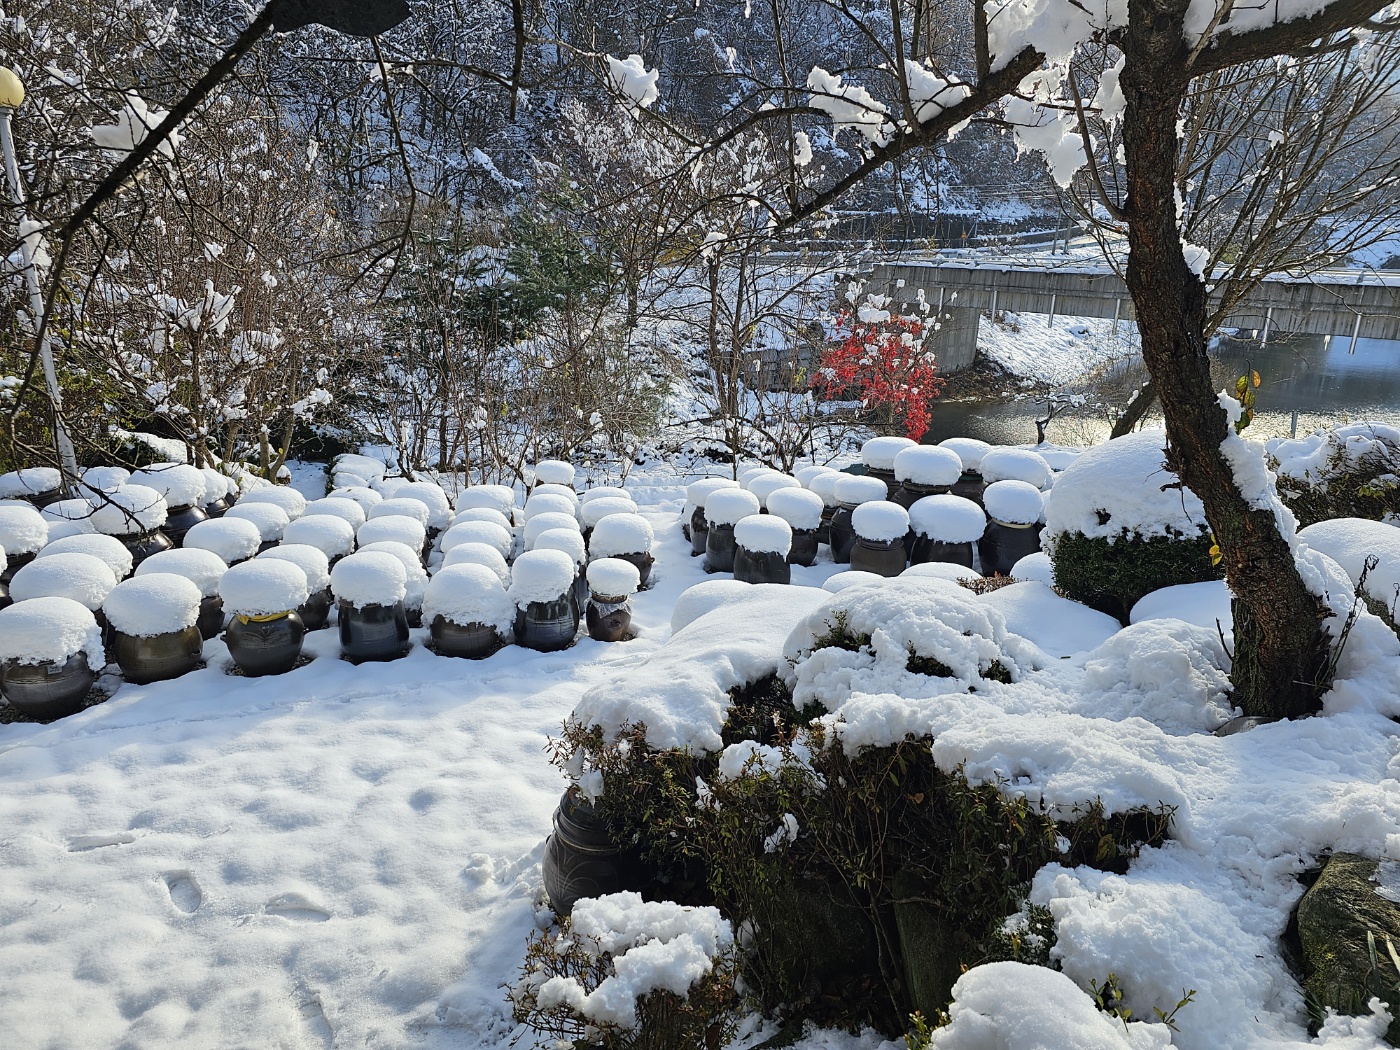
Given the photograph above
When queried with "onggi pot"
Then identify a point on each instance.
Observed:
(143, 544)
(882, 557)
(47, 691)
(581, 859)
(16, 562)
(1003, 545)
(719, 548)
(761, 566)
(969, 486)
(910, 493)
(804, 547)
(262, 645)
(548, 626)
(609, 617)
(316, 612)
(698, 532)
(179, 521)
(643, 561)
(5, 599)
(157, 657)
(372, 632)
(473, 641)
(211, 617)
(925, 549)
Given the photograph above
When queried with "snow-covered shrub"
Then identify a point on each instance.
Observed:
(621, 973)
(1352, 543)
(1349, 471)
(1120, 525)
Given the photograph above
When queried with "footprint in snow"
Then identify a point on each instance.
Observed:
(83, 843)
(296, 907)
(184, 891)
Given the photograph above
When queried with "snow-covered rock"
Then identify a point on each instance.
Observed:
(159, 603)
(263, 588)
(203, 568)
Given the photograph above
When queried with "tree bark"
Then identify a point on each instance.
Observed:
(1282, 652)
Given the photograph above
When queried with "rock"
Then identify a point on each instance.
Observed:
(926, 942)
(1333, 919)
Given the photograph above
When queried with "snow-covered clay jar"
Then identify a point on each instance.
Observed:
(488, 532)
(802, 510)
(50, 653)
(723, 510)
(486, 514)
(79, 577)
(761, 545)
(1015, 509)
(611, 584)
(878, 455)
(204, 569)
(219, 493)
(544, 522)
(409, 508)
(541, 586)
(571, 543)
(468, 612)
(315, 612)
(924, 470)
(23, 533)
(395, 528)
(765, 485)
(291, 502)
(104, 548)
(824, 485)
(945, 528)
(270, 520)
(592, 511)
(479, 554)
(182, 487)
(693, 516)
(330, 534)
(880, 527)
(265, 633)
(5, 599)
(851, 491)
(553, 472)
(37, 485)
(69, 517)
(232, 539)
(365, 496)
(549, 502)
(415, 576)
(499, 498)
(369, 587)
(338, 507)
(434, 498)
(133, 514)
(1015, 464)
(154, 632)
(970, 450)
(625, 536)
(104, 479)
(562, 491)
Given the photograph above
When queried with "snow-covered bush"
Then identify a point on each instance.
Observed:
(1120, 525)
(1348, 471)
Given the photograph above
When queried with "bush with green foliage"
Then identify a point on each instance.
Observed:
(1348, 471)
(1112, 574)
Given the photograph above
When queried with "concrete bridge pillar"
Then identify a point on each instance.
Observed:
(955, 340)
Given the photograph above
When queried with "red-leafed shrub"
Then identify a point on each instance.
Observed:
(885, 364)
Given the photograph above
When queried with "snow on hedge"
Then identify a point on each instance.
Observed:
(928, 465)
(880, 453)
(128, 511)
(399, 506)
(495, 517)
(232, 539)
(494, 497)
(682, 692)
(181, 484)
(554, 472)
(1350, 542)
(540, 576)
(486, 532)
(969, 450)
(854, 489)
(727, 506)
(570, 541)
(948, 519)
(764, 487)
(30, 481)
(145, 606)
(466, 593)
(107, 549)
(1036, 567)
(269, 519)
(50, 631)
(595, 510)
(313, 563)
(763, 534)
(620, 534)
(1060, 627)
(431, 496)
(479, 554)
(81, 577)
(880, 520)
(707, 596)
(1126, 482)
(840, 581)
(548, 503)
(800, 508)
(329, 534)
(415, 576)
(1315, 457)
(203, 568)
(339, 507)
(1015, 464)
(263, 588)
(369, 578)
(397, 527)
(1013, 502)
(613, 578)
(546, 521)
(292, 502)
(23, 530)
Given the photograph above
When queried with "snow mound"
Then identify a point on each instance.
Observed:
(1180, 670)
(764, 487)
(432, 497)
(1057, 625)
(554, 472)
(338, 507)
(180, 484)
(1015, 464)
(928, 465)
(840, 581)
(493, 497)
(399, 528)
(620, 534)
(1013, 502)
(1350, 542)
(49, 631)
(313, 563)
(468, 593)
(106, 549)
(694, 602)
(969, 450)
(328, 533)
(880, 520)
(23, 530)
(202, 568)
(940, 570)
(1035, 567)
(593, 511)
(232, 539)
(128, 511)
(495, 517)
(653, 946)
(291, 503)
(563, 491)
(105, 479)
(548, 503)
(681, 695)
(948, 519)
(1123, 484)
(1205, 604)
(728, 506)
(540, 576)
(268, 518)
(400, 506)
(81, 577)
(486, 532)
(216, 485)
(763, 534)
(365, 496)
(824, 485)
(800, 508)
(880, 453)
(478, 554)
(570, 541)
(545, 522)
(145, 606)
(415, 576)
(369, 578)
(854, 489)
(262, 588)
(30, 481)
(613, 578)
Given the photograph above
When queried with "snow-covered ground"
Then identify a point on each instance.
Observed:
(1057, 353)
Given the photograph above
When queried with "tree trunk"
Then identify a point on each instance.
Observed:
(1136, 409)
(1281, 652)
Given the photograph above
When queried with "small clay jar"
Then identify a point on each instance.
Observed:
(179, 520)
(643, 561)
(581, 858)
(372, 632)
(1003, 545)
(969, 486)
(158, 657)
(842, 533)
(910, 493)
(211, 617)
(804, 546)
(217, 508)
(609, 618)
(699, 532)
(882, 557)
(761, 566)
(472, 641)
(548, 626)
(924, 549)
(887, 476)
(143, 544)
(47, 690)
(719, 548)
(315, 612)
(16, 562)
(263, 645)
